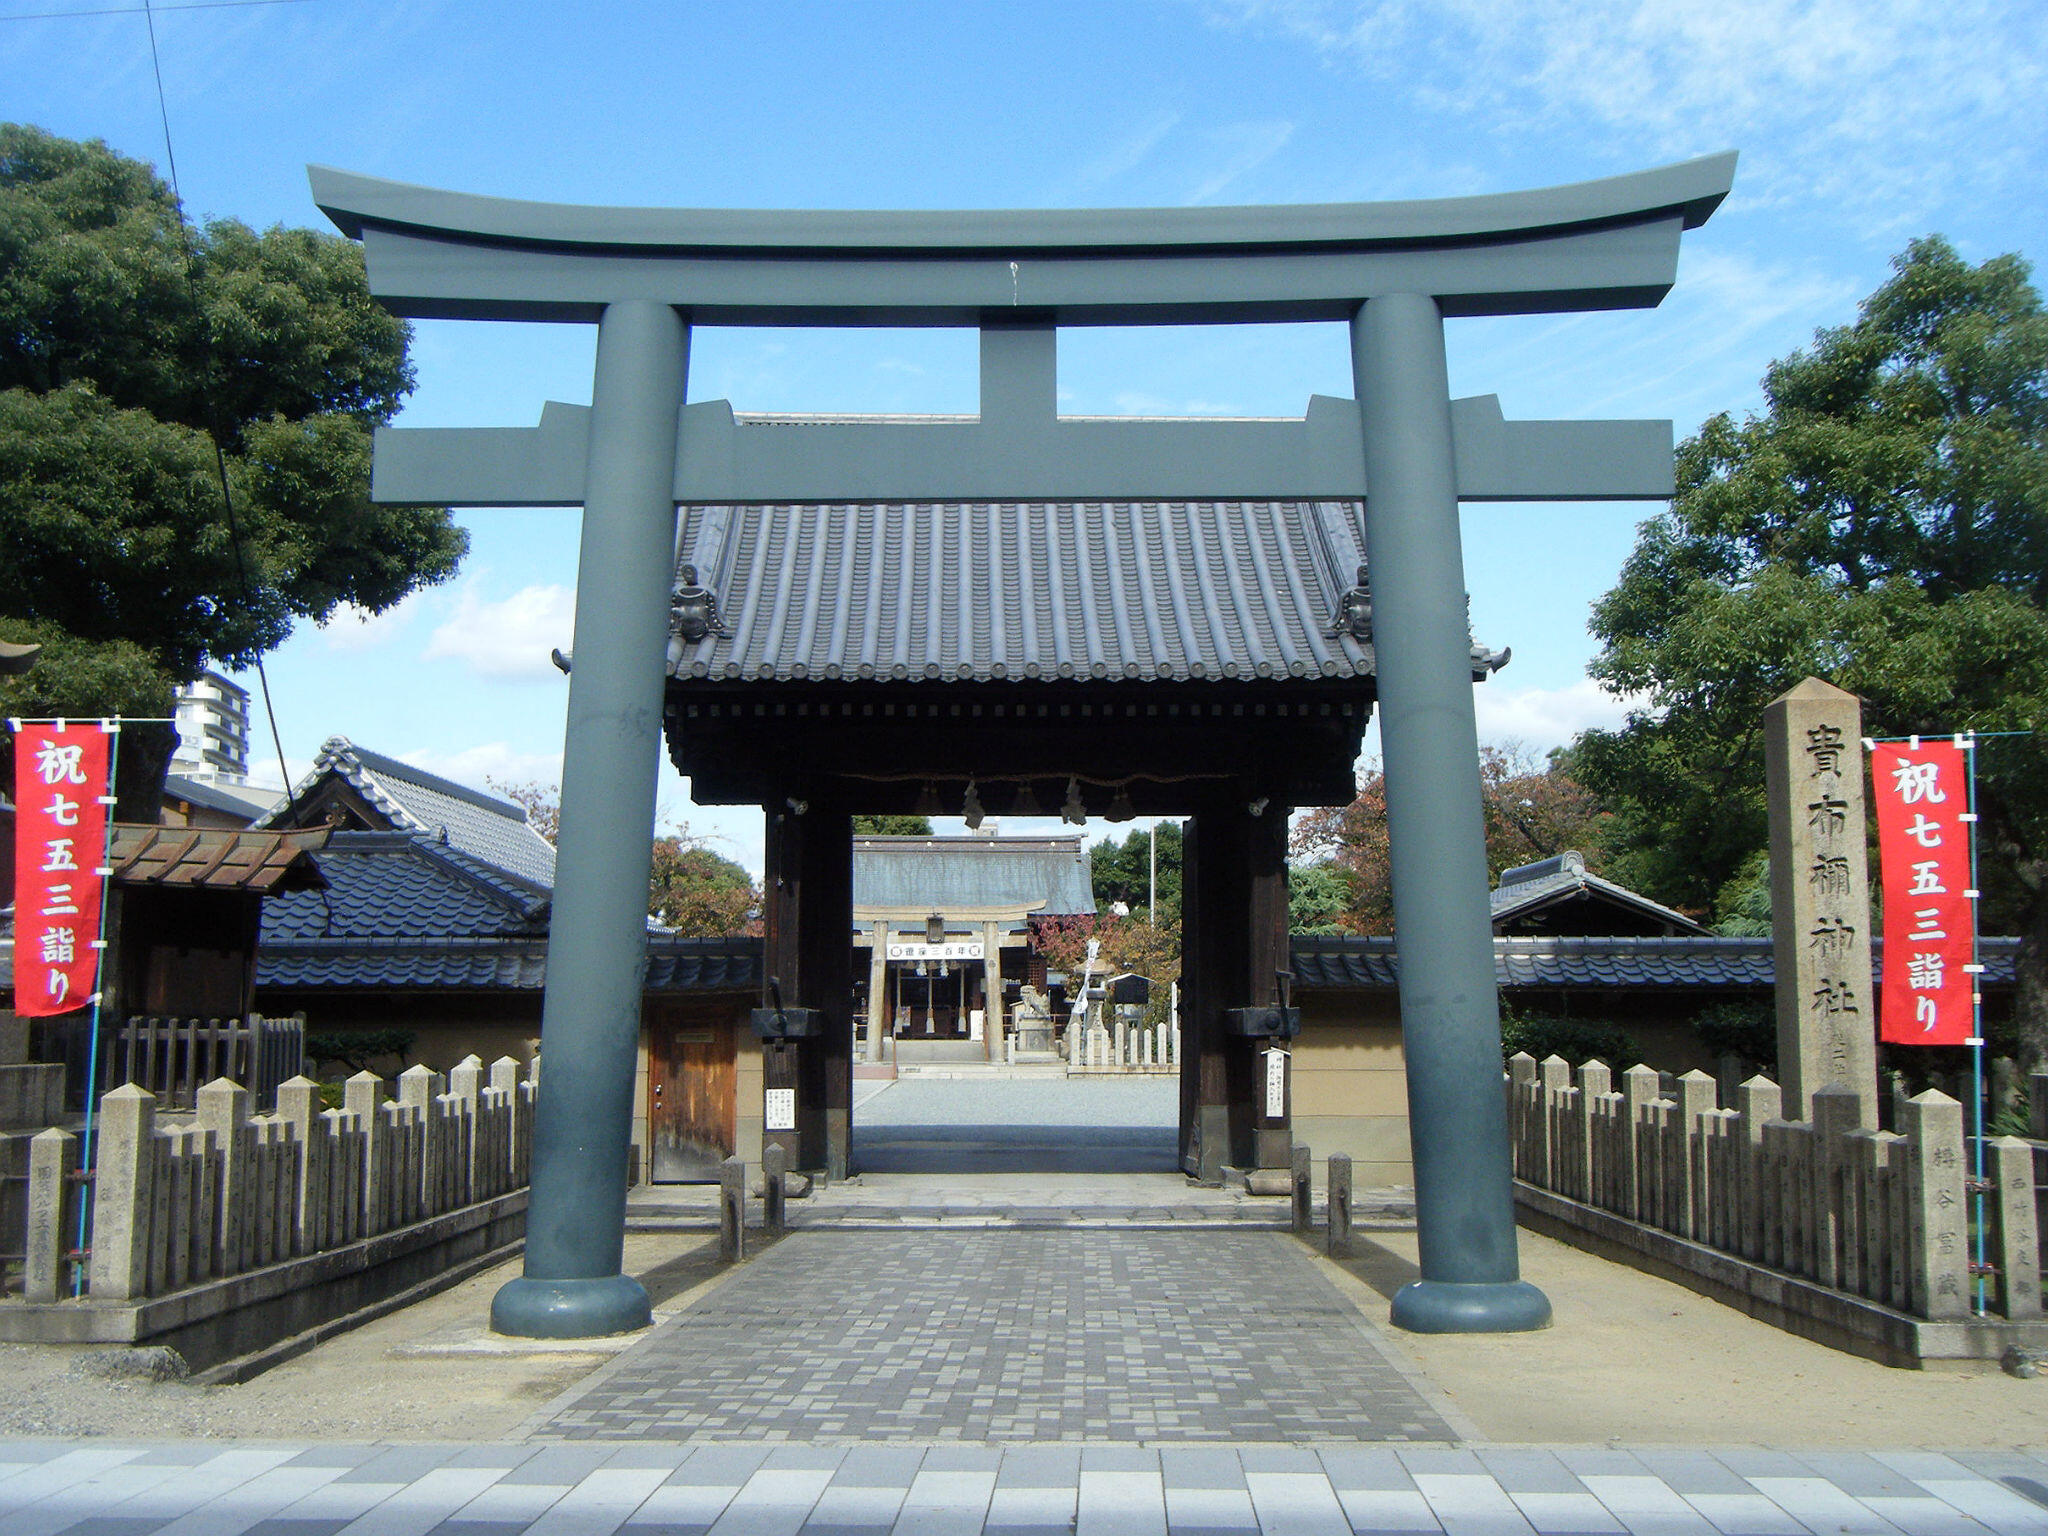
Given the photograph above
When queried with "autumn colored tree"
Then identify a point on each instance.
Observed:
(698, 893)
(1532, 812)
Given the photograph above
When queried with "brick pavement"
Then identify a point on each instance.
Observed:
(196, 1488)
(1013, 1334)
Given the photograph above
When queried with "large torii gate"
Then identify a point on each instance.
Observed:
(1391, 271)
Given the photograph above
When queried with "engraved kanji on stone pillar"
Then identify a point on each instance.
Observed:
(1820, 897)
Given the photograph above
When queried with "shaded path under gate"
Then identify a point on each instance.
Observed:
(1008, 1334)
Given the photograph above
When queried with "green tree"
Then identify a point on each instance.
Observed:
(1318, 896)
(892, 826)
(1883, 523)
(140, 359)
(1122, 871)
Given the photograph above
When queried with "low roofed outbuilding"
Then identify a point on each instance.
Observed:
(356, 789)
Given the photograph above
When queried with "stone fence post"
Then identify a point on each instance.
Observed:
(362, 1096)
(124, 1194)
(1936, 1210)
(52, 1154)
(298, 1109)
(223, 1108)
(2018, 1254)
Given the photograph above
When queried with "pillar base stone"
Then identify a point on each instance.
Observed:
(1445, 1306)
(570, 1309)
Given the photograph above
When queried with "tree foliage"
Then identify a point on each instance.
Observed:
(701, 894)
(1532, 812)
(1125, 945)
(133, 350)
(1883, 524)
(892, 826)
(1318, 897)
(698, 893)
(541, 802)
(1122, 871)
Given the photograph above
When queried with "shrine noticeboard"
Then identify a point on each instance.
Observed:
(1923, 832)
(60, 841)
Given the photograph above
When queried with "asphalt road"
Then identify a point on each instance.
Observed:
(1017, 1125)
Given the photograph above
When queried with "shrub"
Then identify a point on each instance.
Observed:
(1576, 1040)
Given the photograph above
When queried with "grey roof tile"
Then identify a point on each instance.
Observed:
(410, 912)
(1531, 887)
(247, 801)
(1689, 962)
(941, 874)
(405, 885)
(453, 964)
(487, 826)
(952, 592)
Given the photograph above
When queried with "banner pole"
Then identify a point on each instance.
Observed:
(86, 1160)
(1968, 743)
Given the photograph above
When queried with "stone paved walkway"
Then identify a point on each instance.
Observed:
(99, 1488)
(1012, 1334)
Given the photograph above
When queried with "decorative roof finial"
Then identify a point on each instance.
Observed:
(1354, 611)
(693, 609)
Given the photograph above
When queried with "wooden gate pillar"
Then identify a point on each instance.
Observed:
(1233, 944)
(807, 945)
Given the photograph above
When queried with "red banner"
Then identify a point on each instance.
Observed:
(60, 839)
(1923, 836)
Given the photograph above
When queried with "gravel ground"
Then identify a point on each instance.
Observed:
(428, 1372)
(1136, 1102)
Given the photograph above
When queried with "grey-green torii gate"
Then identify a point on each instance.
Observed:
(1391, 271)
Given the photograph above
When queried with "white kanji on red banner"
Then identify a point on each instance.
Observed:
(60, 836)
(1924, 848)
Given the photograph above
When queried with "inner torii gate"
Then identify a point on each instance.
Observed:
(1391, 271)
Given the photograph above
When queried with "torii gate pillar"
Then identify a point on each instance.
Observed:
(1450, 1008)
(574, 1285)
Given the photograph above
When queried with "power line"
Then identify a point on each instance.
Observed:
(220, 458)
(134, 10)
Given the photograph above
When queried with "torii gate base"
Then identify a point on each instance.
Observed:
(1392, 271)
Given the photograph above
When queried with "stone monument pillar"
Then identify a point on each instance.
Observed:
(1820, 897)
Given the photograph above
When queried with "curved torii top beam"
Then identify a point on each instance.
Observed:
(1604, 244)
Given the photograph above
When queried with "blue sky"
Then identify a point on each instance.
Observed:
(1860, 125)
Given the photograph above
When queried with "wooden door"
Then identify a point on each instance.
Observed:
(692, 1090)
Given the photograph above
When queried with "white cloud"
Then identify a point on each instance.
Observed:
(1877, 109)
(1542, 718)
(510, 637)
(1129, 152)
(350, 628)
(486, 763)
(1245, 147)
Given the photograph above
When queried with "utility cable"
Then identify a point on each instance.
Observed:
(208, 400)
(130, 10)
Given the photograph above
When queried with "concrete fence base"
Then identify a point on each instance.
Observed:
(248, 1315)
(1813, 1311)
